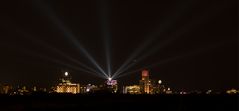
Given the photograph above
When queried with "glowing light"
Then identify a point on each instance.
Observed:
(145, 73)
(160, 81)
(66, 73)
(135, 89)
(111, 82)
(109, 78)
(105, 31)
(232, 91)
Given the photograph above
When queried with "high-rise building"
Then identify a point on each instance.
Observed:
(65, 85)
(145, 83)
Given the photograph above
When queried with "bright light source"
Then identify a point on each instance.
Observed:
(160, 81)
(109, 78)
(66, 73)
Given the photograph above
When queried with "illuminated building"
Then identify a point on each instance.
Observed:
(5, 89)
(83, 89)
(34, 88)
(159, 88)
(209, 91)
(65, 86)
(168, 91)
(68, 88)
(89, 88)
(232, 91)
(22, 91)
(112, 85)
(135, 89)
(145, 83)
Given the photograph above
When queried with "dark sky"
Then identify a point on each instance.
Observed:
(193, 43)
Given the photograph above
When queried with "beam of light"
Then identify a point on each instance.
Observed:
(168, 21)
(173, 37)
(105, 30)
(89, 57)
(70, 36)
(53, 60)
(68, 65)
(47, 46)
(133, 55)
(187, 55)
(66, 56)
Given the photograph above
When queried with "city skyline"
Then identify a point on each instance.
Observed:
(192, 45)
(145, 86)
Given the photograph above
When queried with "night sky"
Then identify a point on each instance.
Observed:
(192, 44)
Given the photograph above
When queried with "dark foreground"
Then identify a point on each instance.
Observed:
(109, 102)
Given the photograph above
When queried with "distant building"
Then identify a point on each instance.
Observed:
(168, 91)
(89, 88)
(23, 90)
(5, 89)
(145, 83)
(159, 88)
(134, 89)
(232, 91)
(34, 89)
(65, 85)
(83, 89)
(112, 85)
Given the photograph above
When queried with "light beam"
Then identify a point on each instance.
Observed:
(173, 37)
(169, 21)
(47, 46)
(193, 53)
(105, 31)
(68, 34)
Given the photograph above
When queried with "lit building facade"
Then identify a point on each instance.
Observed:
(65, 85)
(89, 88)
(145, 83)
(134, 89)
(68, 88)
(5, 89)
(112, 85)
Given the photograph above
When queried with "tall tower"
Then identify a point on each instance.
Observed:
(145, 82)
(145, 75)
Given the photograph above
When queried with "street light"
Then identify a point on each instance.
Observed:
(66, 73)
(160, 81)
